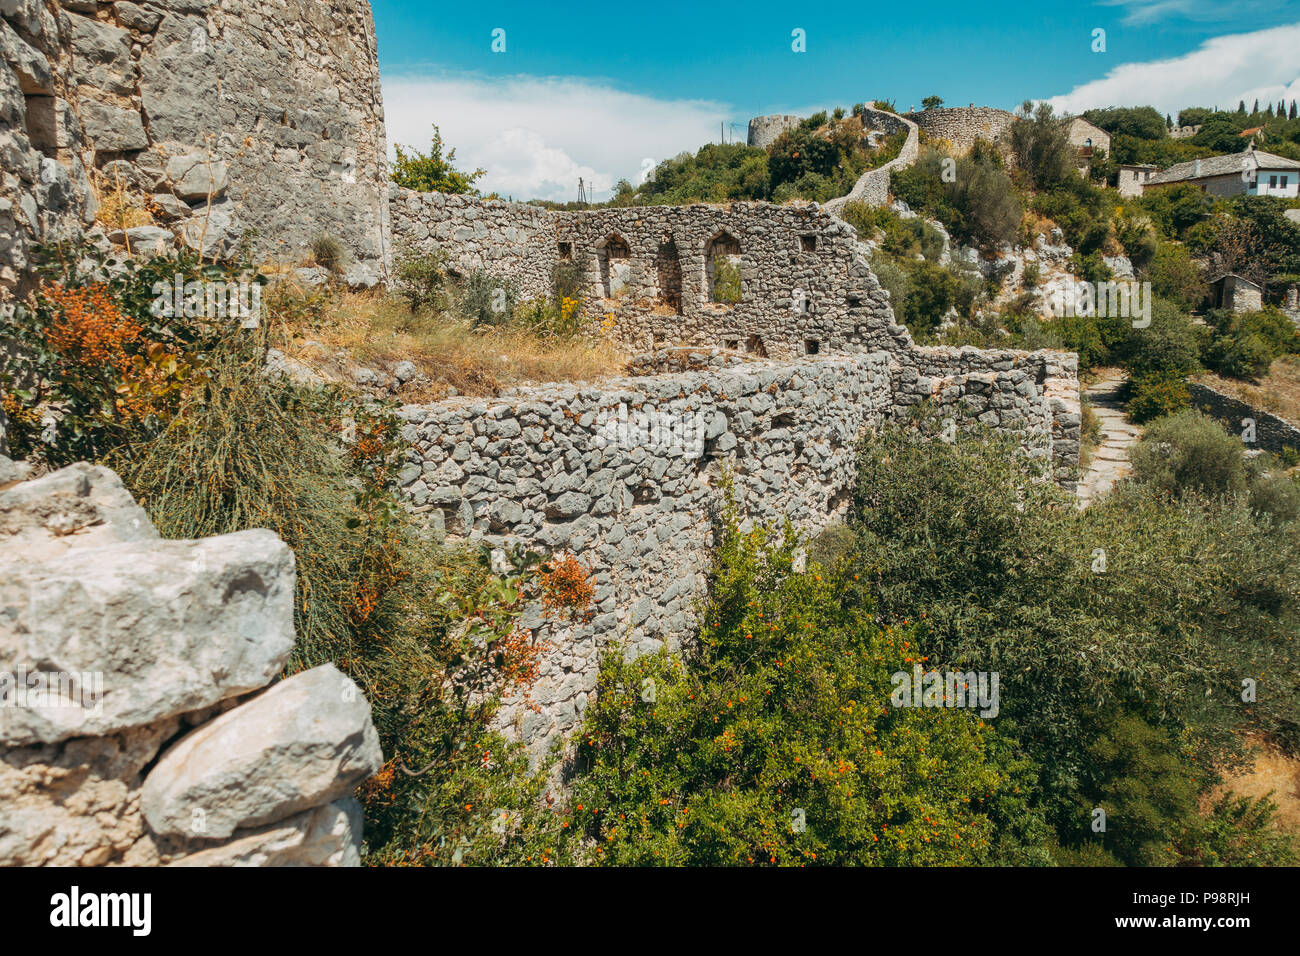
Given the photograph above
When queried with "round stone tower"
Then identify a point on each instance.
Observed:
(763, 130)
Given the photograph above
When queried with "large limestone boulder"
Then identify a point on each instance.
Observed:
(81, 506)
(125, 634)
(196, 175)
(305, 742)
(327, 836)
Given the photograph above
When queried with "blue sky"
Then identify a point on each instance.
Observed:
(602, 88)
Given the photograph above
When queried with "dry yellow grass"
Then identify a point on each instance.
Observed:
(374, 328)
(1278, 392)
(1271, 773)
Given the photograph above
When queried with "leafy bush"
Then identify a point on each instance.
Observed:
(726, 279)
(1169, 346)
(1153, 395)
(1189, 452)
(775, 742)
(482, 299)
(98, 358)
(1194, 592)
(420, 277)
(1175, 276)
(432, 172)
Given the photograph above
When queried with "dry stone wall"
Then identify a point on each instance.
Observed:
(141, 722)
(1271, 432)
(805, 284)
(872, 186)
(230, 121)
(626, 474)
(962, 126)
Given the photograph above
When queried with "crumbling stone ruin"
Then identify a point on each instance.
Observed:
(766, 345)
(141, 722)
(961, 126)
(231, 121)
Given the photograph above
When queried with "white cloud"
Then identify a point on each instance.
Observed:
(1217, 11)
(536, 135)
(1225, 69)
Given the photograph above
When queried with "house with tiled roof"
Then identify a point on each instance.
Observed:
(1250, 173)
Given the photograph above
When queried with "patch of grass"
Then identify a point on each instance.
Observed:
(374, 328)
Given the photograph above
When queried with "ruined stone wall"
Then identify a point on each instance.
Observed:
(804, 279)
(1271, 432)
(505, 239)
(230, 121)
(139, 721)
(872, 186)
(962, 126)
(625, 474)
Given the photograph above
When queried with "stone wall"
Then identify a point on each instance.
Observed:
(625, 474)
(1271, 432)
(228, 120)
(141, 722)
(872, 186)
(962, 126)
(805, 282)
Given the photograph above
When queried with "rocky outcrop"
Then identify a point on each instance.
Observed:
(140, 717)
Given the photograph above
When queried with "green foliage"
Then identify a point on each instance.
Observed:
(726, 280)
(483, 299)
(979, 204)
(1170, 345)
(1176, 208)
(1152, 395)
(421, 277)
(1175, 276)
(432, 172)
(1245, 344)
(1143, 122)
(93, 360)
(1140, 776)
(1188, 452)
(1041, 144)
(776, 742)
(716, 173)
(1195, 592)
(931, 102)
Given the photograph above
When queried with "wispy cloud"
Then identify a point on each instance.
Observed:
(1139, 12)
(535, 136)
(1264, 64)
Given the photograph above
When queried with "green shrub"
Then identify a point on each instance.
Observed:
(726, 280)
(1169, 346)
(1175, 276)
(1193, 593)
(775, 741)
(483, 299)
(420, 277)
(1187, 451)
(432, 172)
(1153, 395)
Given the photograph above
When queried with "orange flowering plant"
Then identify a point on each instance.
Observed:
(85, 363)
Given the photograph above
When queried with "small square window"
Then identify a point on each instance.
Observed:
(733, 343)
(811, 346)
(566, 250)
(807, 243)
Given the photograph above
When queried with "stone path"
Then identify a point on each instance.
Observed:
(1110, 458)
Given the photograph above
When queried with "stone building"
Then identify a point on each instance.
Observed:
(1252, 172)
(1236, 293)
(1133, 177)
(960, 127)
(764, 130)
